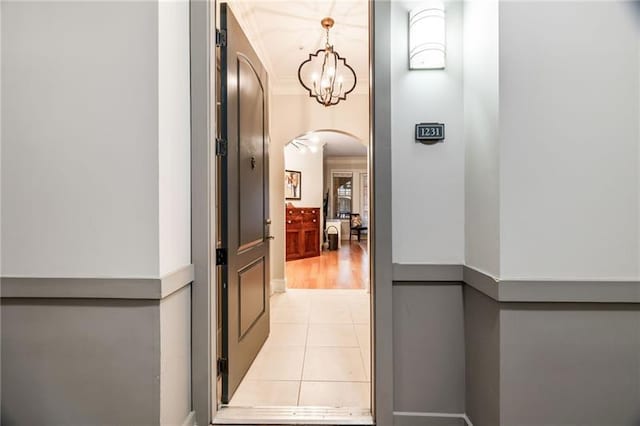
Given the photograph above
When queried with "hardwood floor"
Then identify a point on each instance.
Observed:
(345, 268)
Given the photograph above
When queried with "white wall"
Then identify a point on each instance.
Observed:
(569, 140)
(80, 139)
(428, 181)
(174, 136)
(95, 171)
(311, 185)
(481, 136)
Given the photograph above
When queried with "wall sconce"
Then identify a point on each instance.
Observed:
(427, 44)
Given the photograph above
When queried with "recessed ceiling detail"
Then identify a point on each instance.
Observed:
(283, 32)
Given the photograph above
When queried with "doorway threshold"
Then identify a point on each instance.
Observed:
(293, 416)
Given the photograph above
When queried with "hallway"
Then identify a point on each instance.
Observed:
(317, 354)
(345, 268)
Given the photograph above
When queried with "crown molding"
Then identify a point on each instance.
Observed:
(244, 16)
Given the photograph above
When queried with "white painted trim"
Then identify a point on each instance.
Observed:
(278, 285)
(462, 416)
(190, 420)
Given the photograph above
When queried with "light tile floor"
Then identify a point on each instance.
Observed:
(317, 354)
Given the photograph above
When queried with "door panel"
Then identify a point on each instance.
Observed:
(253, 298)
(311, 242)
(244, 205)
(294, 251)
(251, 160)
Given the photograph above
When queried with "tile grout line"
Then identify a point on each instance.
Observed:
(304, 355)
(351, 306)
(364, 363)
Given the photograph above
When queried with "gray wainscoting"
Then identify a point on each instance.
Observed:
(535, 352)
(427, 273)
(570, 364)
(104, 355)
(80, 361)
(482, 356)
(428, 345)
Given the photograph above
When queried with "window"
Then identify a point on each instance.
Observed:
(342, 187)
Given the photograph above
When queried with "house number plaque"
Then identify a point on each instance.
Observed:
(429, 132)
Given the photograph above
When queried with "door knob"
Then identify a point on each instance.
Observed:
(271, 237)
(267, 221)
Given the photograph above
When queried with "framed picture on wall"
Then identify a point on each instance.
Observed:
(292, 185)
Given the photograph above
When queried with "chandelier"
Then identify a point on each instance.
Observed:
(326, 75)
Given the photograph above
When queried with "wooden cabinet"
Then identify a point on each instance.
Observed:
(302, 232)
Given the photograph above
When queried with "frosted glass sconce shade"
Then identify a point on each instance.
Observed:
(427, 44)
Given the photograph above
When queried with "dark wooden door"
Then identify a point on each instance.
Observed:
(245, 204)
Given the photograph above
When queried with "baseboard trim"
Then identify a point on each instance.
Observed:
(190, 420)
(96, 288)
(520, 290)
(437, 418)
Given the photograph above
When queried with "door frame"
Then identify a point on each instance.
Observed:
(203, 21)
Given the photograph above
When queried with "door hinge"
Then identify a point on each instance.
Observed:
(222, 366)
(221, 257)
(221, 38)
(221, 147)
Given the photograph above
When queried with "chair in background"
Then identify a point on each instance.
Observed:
(356, 225)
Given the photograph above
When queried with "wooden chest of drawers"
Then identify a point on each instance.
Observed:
(302, 232)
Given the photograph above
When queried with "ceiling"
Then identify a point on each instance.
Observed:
(283, 33)
(336, 144)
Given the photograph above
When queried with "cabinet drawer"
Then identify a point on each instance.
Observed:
(293, 222)
(310, 219)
